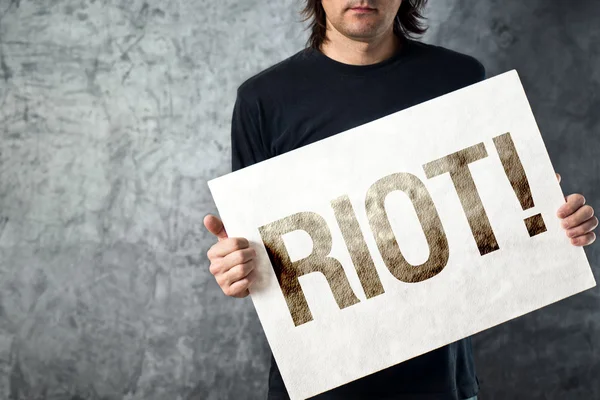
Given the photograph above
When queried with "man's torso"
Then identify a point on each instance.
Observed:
(309, 97)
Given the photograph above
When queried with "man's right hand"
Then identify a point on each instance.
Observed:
(231, 260)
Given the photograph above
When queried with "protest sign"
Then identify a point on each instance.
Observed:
(402, 235)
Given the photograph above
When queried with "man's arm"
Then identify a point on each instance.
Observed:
(231, 259)
(247, 141)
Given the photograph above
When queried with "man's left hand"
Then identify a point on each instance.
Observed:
(578, 219)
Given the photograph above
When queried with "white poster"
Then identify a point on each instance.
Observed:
(403, 235)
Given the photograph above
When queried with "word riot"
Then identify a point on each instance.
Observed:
(456, 164)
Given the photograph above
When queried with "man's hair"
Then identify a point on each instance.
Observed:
(409, 21)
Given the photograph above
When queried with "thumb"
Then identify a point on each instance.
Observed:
(215, 226)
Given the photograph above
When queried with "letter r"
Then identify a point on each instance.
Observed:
(288, 272)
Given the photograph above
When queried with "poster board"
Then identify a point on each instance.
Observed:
(402, 235)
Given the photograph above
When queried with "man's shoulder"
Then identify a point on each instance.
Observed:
(276, 76)
(448, 58)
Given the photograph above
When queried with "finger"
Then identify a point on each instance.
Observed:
(584, 240)
(239, 257)
(215, 226)
(558, 177)
(227, 246)
(578, 217)
(574, 202)
(242, 295)
(216, 266)
(220, 265)
(239, 272)
(240, 288)
(584, 228)
(235, 258)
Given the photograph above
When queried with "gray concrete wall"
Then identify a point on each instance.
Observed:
(113, 115)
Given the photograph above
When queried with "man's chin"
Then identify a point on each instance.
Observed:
(365, 31)
(361, 35)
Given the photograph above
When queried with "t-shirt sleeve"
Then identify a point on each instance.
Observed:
(247, 146)
(472, 71)
(481, 71)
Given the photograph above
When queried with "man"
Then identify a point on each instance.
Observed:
(360, 64)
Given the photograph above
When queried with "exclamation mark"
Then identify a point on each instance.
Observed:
(516, 175)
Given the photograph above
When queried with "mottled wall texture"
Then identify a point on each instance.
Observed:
(114, 114)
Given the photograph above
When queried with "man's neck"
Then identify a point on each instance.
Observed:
(345, 50)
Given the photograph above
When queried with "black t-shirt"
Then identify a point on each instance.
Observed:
(308, 97)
